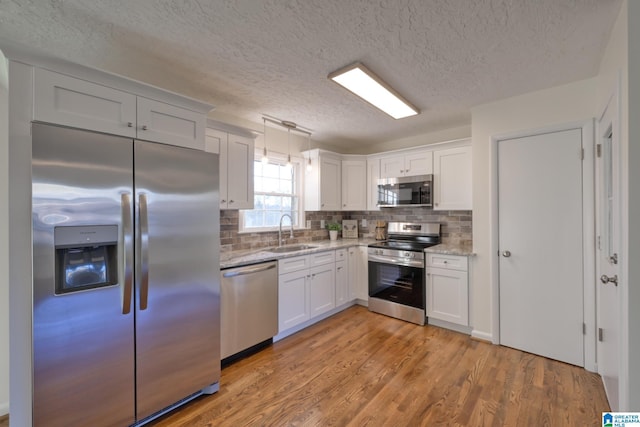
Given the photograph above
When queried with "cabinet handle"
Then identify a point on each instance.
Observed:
(144, 127)
(445, 261)
(322, 205)
(344, 206)
(339, 268)
(129, 124)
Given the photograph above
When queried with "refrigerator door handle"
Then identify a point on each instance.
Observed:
(127, 220)
(144, 251)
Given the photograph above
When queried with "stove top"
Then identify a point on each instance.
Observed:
(410, 236)
(403, 245)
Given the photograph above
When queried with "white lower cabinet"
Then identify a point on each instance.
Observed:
(322, 289)
(306, 288)
(447, 283)
(359, 279)
(343, 293)
(293, 307)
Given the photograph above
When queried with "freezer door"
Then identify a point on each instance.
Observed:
(83, 342)
(177, 279)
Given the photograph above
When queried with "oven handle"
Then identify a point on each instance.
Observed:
(397, 261)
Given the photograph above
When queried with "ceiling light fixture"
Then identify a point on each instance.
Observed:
(289, 126)
(309, 167)
(360, 81)
(264, 159)
(288, 146)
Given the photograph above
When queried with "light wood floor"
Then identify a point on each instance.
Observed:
(363, 369)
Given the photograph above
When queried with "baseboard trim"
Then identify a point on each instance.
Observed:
(482, 336)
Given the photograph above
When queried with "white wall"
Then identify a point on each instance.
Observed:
(563, 104)
(4, 237)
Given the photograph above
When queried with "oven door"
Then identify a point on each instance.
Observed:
(397, 280)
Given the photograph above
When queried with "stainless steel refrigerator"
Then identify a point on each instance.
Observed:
(126, 290)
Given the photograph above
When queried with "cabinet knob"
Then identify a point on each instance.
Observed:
(129, 124)
(230, 201)
(144, 127)
(223, 201)
(506, 254)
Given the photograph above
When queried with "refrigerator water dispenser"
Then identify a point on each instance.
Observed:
(86, 257)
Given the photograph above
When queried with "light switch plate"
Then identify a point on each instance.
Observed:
(364, 223)
(322, 223)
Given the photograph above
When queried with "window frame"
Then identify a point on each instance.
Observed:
(298, 179)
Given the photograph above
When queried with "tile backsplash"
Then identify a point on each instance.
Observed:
(455, 226)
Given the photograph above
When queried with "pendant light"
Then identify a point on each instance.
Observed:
(264, 159)
(309, 167)
(289, 147)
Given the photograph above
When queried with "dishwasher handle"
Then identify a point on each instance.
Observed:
(246, 271)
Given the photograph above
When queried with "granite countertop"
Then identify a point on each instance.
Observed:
(254, 256)
(451, 249)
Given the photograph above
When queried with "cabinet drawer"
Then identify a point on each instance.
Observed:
(287, 265)
(341, 255)
(453, 262)
(322, 258)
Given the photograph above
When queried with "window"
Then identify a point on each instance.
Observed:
(276, 192)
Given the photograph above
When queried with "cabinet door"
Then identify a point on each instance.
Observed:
(168, 124)
(392, 167)
(342, 283)
(80, 104)
(293, 299)
(322, 289)
(330, 184)
(373, 174)
(452, 179)
(216, 141)
(418, 163)
(447, 295)
(360, 287)
(240, 172)
(354, 185)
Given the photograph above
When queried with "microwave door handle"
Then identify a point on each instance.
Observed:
(127, 240)
(144, 251)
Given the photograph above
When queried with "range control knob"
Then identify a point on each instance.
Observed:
(407, 254)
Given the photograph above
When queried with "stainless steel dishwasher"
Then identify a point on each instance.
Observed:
(249, 306)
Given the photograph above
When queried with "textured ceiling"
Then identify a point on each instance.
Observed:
(250, 57)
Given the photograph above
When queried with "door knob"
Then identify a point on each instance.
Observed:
(506, 254)
(606, 279)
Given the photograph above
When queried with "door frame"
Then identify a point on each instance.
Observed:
(588, 231)
(612, 105)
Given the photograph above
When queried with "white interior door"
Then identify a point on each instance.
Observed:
(541, 244)
(607, 262)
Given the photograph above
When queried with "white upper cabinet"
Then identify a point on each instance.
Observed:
(236, 168)
(77, 103)
(323, 184)
(69, 101)
(452, 179)
(409, 164)
(168, 124)
(354, 185)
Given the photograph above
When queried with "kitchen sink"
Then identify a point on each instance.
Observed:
(290, 248)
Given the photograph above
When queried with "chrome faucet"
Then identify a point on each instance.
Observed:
(280, 229)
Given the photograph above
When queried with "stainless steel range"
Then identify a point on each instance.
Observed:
(396, 270)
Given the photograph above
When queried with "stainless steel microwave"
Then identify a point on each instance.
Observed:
(405, 191)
